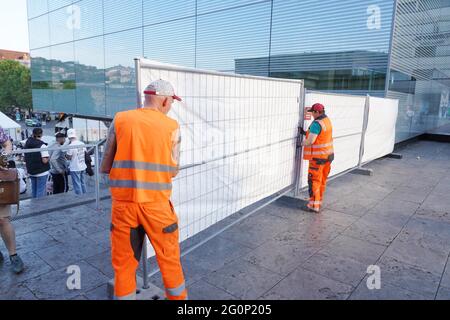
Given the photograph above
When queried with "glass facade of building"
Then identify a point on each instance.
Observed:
(82, 51)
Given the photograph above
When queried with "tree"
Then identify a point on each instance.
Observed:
(15, 85)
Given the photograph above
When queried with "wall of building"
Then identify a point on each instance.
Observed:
(82, 51)
(420, 66)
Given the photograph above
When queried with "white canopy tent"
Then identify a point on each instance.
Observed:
(9, 125)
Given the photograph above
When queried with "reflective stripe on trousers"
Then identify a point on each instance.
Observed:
(317, 180)
(130, 221)
(131, 296)
(176, 292)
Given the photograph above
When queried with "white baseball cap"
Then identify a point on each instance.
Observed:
(71, 133)
(161, 88)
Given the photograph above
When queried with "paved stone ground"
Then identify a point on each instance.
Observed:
(398, 219)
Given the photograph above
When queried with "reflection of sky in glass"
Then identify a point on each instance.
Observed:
(56, 4)
(36, 7)
(332, 25)
(157, 11)
(237, 33)
(120, 16)
(171, 42)
(59, 31)
(91, 19)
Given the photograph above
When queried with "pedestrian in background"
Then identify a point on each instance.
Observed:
(77, 163)
(37, 164)
(59, 165)
(22, 176)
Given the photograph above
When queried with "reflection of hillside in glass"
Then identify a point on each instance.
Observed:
(65, 72)
(77, 88)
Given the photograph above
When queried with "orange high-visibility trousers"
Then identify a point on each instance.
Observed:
(317, 182)
(130, 222)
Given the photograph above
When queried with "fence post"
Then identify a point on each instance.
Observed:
(364, 129)
(144, 264)
(137, 67)
(359, 169)
(298, 153)
(97, 178)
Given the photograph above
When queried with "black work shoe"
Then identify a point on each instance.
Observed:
(17, 265)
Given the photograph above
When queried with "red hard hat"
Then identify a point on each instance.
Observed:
(317, 107)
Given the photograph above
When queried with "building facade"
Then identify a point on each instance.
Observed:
(82, 51)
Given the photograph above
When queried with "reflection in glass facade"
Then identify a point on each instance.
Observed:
(82, 51)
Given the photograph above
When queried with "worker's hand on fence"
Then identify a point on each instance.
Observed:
(301, 131)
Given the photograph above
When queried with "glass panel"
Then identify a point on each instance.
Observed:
(36, 8)
(420, 63)
(39, 32)
(119, 17)
(334, 46)
(41, 77)
(56, 4)
(63, 78)
(171, 42)
(120, 51)
(226, 36)
(88, 15)
(90, 76)
(156, 11)
(204, 6)
(61, 28)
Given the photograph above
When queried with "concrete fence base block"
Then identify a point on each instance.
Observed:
(395, 156)
(363, 171)
(152, 293)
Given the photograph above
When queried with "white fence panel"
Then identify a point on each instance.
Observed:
(346, 113)
(380, 134)
(238, 140)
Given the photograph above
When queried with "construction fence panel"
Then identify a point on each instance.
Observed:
(347, 114)
(380, 133)
(238, 140)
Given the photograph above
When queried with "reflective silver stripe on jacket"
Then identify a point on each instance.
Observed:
(317, 146)
(139, 185)
(318, 153)
(140, 165)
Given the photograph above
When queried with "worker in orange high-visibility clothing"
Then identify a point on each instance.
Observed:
(142, 157)
(318, 149)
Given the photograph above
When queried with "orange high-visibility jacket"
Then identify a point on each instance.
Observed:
(322, 148)
(143, 164)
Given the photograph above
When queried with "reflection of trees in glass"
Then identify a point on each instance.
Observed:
(63, 74)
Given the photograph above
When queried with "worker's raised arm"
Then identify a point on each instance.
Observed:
(110, 151)
(176, 142)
